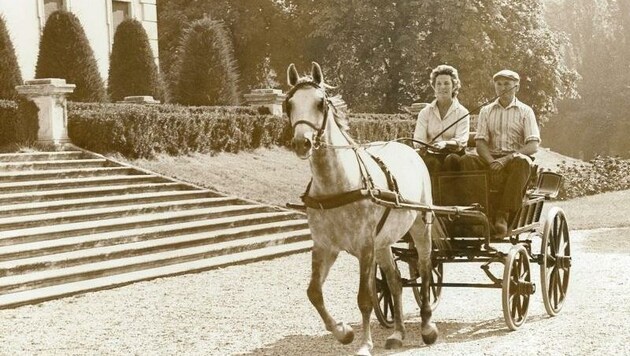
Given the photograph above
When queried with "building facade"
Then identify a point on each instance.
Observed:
(25, 21)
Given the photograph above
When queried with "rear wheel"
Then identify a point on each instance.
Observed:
(556, 261)
(517, 287)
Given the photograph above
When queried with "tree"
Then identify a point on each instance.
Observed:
(266, 36)
(10, 75)
(205, 70)
(132, 70)
(65, 52)
(598, 46)
(382, 52)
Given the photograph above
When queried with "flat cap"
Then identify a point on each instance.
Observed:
(508, 74)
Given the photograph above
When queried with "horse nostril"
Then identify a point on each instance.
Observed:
(302, 143)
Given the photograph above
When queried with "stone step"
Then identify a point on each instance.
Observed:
(73, 216)
(99, 254)
(22, 176)
(80, 242)
(101, 202)
(55, 164)
(42, 156)
(50, 277)
(52, 292)
(83, 182)
(41, 233)
(7, 199)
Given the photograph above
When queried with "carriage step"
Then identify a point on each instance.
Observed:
(72, 288)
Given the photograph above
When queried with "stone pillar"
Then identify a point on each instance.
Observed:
(50, 97)
(270, 98)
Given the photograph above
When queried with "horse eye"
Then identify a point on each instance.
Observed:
(320, 105)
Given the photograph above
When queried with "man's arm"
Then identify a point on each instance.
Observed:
(484, 151)
(529, 149)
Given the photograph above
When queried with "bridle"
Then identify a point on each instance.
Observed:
(317, 141)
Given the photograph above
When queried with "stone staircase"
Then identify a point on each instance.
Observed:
(74, 221)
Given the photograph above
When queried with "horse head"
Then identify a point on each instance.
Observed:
(307, 108)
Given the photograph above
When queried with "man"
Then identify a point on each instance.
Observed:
(507, 135)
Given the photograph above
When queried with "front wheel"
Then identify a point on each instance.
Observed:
(517, 287)
(382, 299)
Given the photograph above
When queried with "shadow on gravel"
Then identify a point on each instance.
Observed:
(450, 332)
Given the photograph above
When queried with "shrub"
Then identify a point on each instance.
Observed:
(205, 68)
(145, 130)
(10, 75)
(132, 70)
(64, 52)
(18, 122)
(603, 174)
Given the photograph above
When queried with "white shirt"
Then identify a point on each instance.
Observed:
(429, 124)
(507, 129)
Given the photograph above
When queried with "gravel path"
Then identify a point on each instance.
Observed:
(262, 309)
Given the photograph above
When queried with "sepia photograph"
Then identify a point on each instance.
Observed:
(314, 177)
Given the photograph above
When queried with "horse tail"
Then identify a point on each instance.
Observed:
(439, 234)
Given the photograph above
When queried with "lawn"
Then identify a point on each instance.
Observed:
(276, 176)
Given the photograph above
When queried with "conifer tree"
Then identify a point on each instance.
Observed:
(205, 69)
(10, 75)
(65, 52)
(132, 70)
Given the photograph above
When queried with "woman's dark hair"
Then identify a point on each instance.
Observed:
(444, 69)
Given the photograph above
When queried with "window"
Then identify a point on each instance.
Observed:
(121, 10)
(51, 6)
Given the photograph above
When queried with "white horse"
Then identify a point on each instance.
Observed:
(342, 215)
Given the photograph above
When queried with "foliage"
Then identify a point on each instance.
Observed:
(603, 174)
(18, 121)
(10, 75)
(261, 32)
(132, 70)
(381, 53)
(205, 69)
(143, 131)
(64, 52)
(598, 47)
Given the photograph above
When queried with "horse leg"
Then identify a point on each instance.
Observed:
(321, 261)
(385, 260)
(364, 298)
(422, 240)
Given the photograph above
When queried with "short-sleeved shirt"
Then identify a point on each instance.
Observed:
(507, 129)
(429, 124)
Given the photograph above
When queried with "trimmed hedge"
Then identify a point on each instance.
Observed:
(141, 131)
(18, 122)
(10, 74)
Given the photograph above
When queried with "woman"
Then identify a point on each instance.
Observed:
(433, 120)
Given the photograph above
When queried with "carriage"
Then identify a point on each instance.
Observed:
(378, 202)
(463, 209)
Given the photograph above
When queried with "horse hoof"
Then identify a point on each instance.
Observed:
(429, 336)
(344, 333)
(393, 344)
(364, 351)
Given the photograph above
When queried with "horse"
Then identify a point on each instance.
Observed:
(341, 214)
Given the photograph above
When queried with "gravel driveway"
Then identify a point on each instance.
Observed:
(262, 309)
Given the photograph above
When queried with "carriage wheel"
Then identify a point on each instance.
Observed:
(517, 287)
(556, 261)
(382, 299)
(435, 291)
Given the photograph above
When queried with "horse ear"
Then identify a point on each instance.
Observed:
(292, 75)
(316, 74)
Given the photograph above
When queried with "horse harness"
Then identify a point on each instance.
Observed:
(369, 190)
